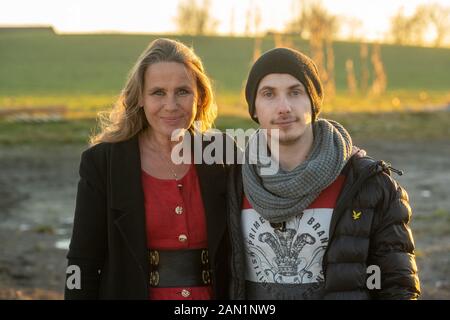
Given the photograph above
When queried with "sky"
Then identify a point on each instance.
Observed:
(149, 16)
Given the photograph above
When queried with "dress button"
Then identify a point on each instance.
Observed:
(182, 238)
(179, 210)
(185, 293)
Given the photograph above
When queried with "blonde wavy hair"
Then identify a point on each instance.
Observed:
(127, 118)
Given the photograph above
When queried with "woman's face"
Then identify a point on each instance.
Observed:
(169, 98)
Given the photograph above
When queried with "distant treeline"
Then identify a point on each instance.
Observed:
(41, 29)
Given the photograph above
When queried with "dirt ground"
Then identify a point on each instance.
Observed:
(37, 199)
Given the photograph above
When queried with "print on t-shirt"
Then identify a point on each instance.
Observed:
(293, 256)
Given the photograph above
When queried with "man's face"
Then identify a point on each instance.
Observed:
(282, 102)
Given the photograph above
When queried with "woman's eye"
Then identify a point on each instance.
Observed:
(268, 94)
(296, 93)
(183, 92)
(158, 93)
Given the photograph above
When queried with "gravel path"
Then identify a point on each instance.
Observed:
(37, 198)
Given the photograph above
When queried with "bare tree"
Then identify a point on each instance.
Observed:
(411, 29)
(257, 48)
(314, 22)
(418, 25)
(258, 19)
(312, 17)
(330, 82)
(253, 20)
(351, 78)
(401, 30)
(380, 79)
(282, 40)
(438, 18)
(353, 27)
(298, 23)
(322, 27)
(364, 54)
(232, 22)
(195, 18)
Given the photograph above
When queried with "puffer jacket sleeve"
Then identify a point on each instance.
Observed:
(88, 244)
(392, 244)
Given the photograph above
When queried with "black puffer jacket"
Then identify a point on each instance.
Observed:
(380, 236)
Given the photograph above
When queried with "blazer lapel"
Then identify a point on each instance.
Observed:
(128, 199)
(212, 181)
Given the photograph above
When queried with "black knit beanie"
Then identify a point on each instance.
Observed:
(285, 60)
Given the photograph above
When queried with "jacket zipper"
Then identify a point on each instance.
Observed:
(388, 167)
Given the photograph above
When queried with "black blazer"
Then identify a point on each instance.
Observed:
(109, 237)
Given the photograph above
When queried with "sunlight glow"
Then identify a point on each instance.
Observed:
(158, 16)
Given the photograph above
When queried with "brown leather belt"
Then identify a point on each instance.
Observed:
(179, 268)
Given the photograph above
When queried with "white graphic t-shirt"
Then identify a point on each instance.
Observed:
(289, 259)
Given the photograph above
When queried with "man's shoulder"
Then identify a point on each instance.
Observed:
(361, 161)
(377, 173)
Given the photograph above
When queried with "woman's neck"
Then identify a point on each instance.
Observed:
(158, 142)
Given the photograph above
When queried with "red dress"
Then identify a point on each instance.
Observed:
(175, 220)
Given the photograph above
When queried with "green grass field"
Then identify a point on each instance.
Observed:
(42, 64)
(85, 73)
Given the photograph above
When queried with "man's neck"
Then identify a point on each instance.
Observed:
(293, 154)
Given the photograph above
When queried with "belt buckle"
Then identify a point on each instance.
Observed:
(203, 276)
(204, 257)
(154, 257)
(206, 277)
(154, 278)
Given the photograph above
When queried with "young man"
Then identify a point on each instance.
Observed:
(331, 223)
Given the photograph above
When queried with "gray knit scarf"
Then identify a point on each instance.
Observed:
(287, 193)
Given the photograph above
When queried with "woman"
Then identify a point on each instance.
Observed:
(145, 227)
